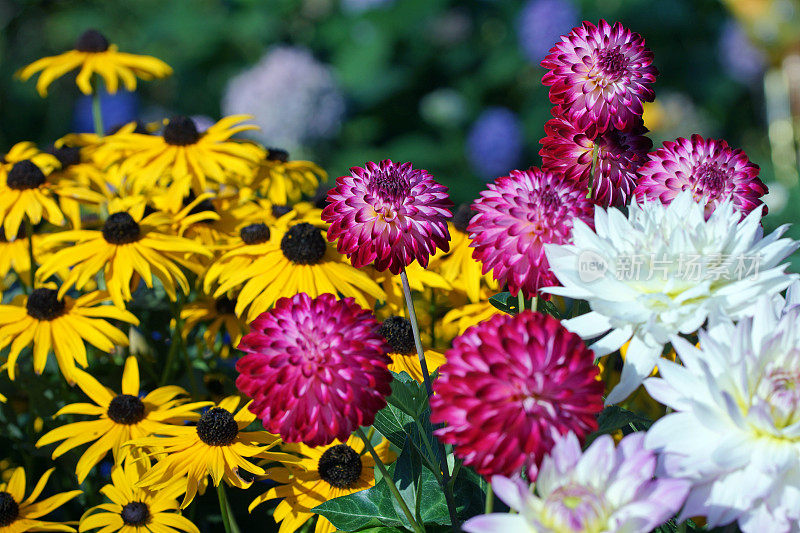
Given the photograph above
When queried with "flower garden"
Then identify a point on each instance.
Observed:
(211, 335)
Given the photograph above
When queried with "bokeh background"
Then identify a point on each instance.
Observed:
(453, 86)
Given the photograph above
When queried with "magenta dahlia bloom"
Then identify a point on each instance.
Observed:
(618, 155)
(510, 387)
(709, 168)
(516, 217)
(600, 75)
(388, 214)
(315, 368)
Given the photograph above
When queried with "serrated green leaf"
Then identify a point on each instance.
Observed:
(373, 507)
(419, 487)
(408, 395)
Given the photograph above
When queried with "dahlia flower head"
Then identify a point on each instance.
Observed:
(516, 216)
(663, 270)
(600, 75)
(388, 214)
(316, 369)
(510, 387)
(604, 489)
(711, 169)
(734, 432)
(569, 150)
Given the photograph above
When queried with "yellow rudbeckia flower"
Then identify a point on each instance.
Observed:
(60, 324)
(118, 417)
(20, 514)
(28, 192)
(93, 54)
(219, 313)
(283, 181)
(398, 333)
(26, 151)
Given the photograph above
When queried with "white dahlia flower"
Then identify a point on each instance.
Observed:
(735, 429)
(662, 270)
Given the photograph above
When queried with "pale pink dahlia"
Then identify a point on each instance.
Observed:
(709, 168)
(388, 214)
(616, 156)
(600, 75)
(316, 368)
(510, 387)
(516, 217)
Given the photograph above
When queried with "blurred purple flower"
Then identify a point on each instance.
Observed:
(494, 145)
(294, 98)
(542, 22)
(117, 109)
(740, 58)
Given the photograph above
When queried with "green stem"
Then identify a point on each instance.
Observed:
(228, 520)
(489, 499)
(412, 316)
(534, 303)
(521, 300)
(390, 482)
(97, 111)
(29, 231)
(432, 311)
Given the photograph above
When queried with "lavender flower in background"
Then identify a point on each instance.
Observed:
(494, 145)
(358, 6)
(741, 60)
(602, 489)
(541, 23)
(294, 98)
(119, 108)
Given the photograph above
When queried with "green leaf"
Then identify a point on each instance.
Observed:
(366, 508)
(505, 302)
(408, 395)
(469, 491)
(419, 487)
(613, 418)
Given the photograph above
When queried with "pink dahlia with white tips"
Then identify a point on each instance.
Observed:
(608, 489)
(516, 217)
(315, 368)
(600, 75)
(606, 163)
(711, 169)
(388, 214)
(510, 387)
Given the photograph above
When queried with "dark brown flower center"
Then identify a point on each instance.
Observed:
(135, 514)
(276, 154)
(9, 509)
(66, 155)
(612, 62)
(398, 333)
(303, 244)
(225, 305)
(340, 466)
(462, 217)
(121, 228)
(43, 304)
(25, 175)
(279, 210)
(126, 409)
(217, 427)
(255, 233)
(181, 131)
(710, 180)
(91, 41)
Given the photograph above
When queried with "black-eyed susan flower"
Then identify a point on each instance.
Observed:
(126, 249)
(469, 314)
(79, 182)
(15, 253)
(182, 159)
(26, 151)
(60, 324)
(93, 54)
(218, 314)
(284, 260)
(117, 418)
(323, 473)
(419, 279)
(27, 192)
(19, 514)
(398, 333)
(216, 446)
(285, 182)
(136, 510)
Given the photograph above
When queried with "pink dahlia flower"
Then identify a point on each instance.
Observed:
(511, 385)
(709, 168)
(600, 75)
(602, 489)
(516, 217)
(315, 368)
(616, 154)
(388, 214)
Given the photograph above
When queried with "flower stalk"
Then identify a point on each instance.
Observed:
(228, 520)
